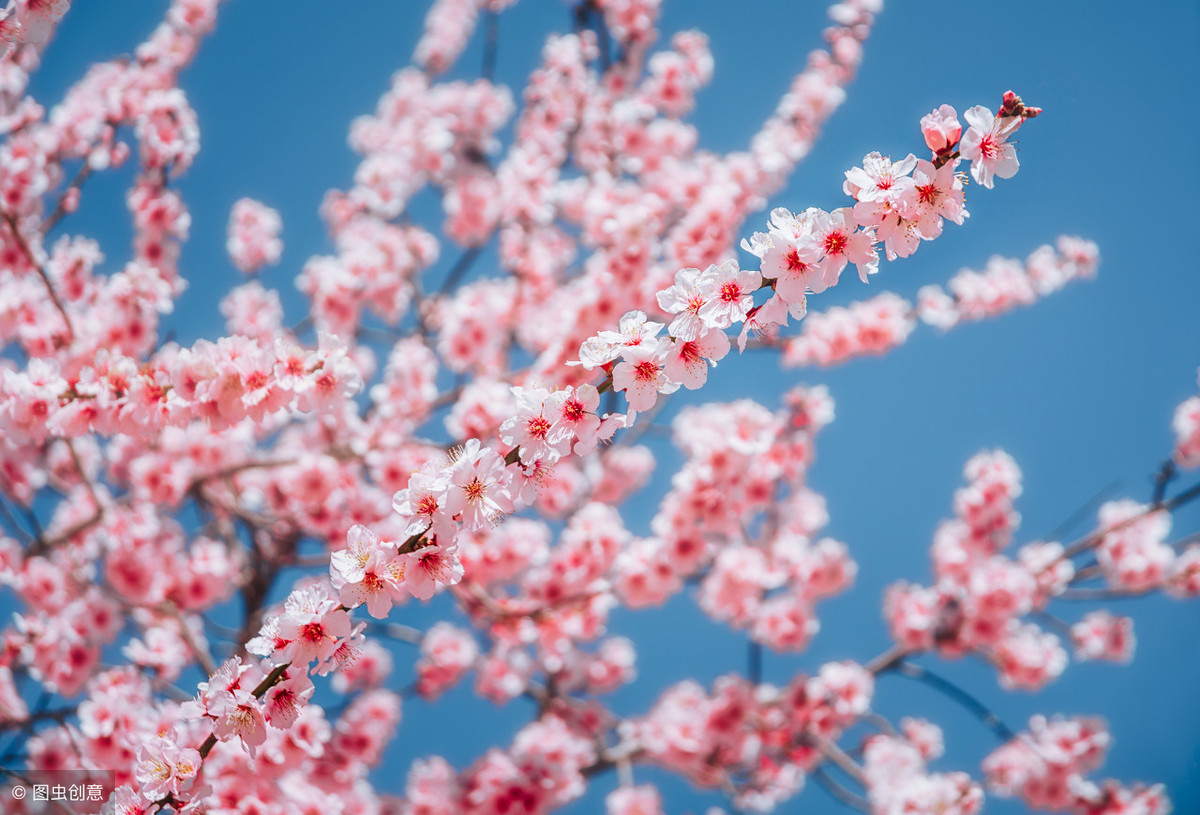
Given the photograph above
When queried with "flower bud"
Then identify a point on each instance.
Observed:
(941, 129)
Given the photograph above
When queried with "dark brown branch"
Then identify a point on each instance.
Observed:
(269, 681)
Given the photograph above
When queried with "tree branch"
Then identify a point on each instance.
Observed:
(11, 220)
(977, 708)
(839, 792)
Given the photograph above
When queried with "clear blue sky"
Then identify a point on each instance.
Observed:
(1079, 389)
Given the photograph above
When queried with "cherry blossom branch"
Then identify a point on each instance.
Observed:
(491, 44)
(58, 715)
(1094, 537)
(269, 681)
(396, 631)
(1100, 595)
(954, 692)
(838, 757)
(889, 660)
(13, 226)
(1162, 480)
(461, 266)
(11, 520)
(72, 190)
(1087, 509)
(200, 652)
(754, 662)
(838, 791)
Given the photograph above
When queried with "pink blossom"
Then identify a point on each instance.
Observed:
(312, 625)
(1100, 635)
(446, 654)
(253, 235)
(537, 428)
(688, 361)
(733, 294)
(642, 375)
(429, 567)
(641, 800)
(840, 242)
(165, 768)
(985, 145)
(941, 129)
(478, 489)
(691, 291)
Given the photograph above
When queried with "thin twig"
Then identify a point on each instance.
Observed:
(491, 45)
(843, 795)
(396, 631)
(12, 523)
(1092, 538)
(1098, 595)
(887, 660)
(754, 662)
(837, 755)
(1162, 478)
(83, 476)
(464, 263)
(957, 694)
(1086, 509)
(199, 651)
(60, 209)
(11, 220)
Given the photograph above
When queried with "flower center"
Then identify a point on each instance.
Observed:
(537, 427)
(646, 371)
(835, 243)
(573, 410)
(475, 489)
(312, 632)
(427, 505)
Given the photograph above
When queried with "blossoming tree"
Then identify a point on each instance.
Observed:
(213, 549)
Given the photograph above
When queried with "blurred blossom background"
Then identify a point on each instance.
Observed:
(1079, 388)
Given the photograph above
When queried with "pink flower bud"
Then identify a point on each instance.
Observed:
(941, 128)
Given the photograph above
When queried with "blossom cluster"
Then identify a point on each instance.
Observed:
(981, 595)
(1046, 766)
(154, 487)
(1005, 283)
(898, 781)
(254, 235)
(805, 253)
(885, 321)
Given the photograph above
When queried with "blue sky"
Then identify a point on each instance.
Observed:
(1079, 388)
